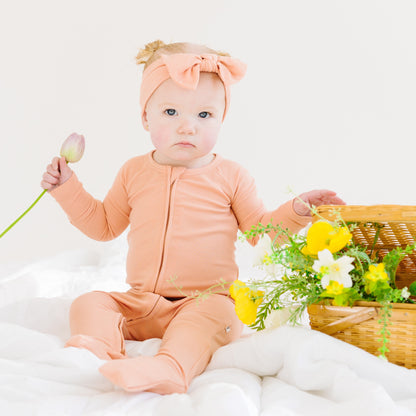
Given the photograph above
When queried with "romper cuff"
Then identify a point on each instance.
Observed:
(71, 196)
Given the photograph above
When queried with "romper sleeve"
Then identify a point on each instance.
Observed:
(101, 221)
(249, 209)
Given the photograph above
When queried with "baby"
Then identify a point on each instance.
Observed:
(184, 205)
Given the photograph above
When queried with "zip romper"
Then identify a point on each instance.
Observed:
(183, 225)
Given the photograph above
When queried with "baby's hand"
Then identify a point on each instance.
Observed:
(57, 173)
(316, 197)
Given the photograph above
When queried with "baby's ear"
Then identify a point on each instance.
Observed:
(144, 121)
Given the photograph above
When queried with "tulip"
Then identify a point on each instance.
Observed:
(278, 317)
(322, 235)
(72, 149)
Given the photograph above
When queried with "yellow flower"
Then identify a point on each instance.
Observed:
(376, 273)
(246, 301)
(376, 278)
(334, 288)
(236, 286)
(322, 235)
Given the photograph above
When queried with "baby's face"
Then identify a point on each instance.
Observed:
(184, 124)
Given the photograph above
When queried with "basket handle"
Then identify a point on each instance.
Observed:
(355, 318)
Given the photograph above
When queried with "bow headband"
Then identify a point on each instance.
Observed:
(184, 69)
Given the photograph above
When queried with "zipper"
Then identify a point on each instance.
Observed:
(162, 257)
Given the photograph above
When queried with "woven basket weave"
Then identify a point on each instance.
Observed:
(358, 325)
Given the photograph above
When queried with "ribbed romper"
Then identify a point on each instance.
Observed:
(183, 226)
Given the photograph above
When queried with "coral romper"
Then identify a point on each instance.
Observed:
(183, 225)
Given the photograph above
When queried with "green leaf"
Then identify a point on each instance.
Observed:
(412, 288)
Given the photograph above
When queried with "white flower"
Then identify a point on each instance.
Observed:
(405, 293)
(277, 318)
(262, 250)
(337, 270)
(262, 256)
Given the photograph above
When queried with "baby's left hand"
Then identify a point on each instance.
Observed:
(316, 197)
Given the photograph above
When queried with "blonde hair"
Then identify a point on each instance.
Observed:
(154, 50)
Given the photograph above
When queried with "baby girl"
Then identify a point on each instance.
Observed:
(184, 205)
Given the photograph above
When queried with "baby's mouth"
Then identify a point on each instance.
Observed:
(185, 144)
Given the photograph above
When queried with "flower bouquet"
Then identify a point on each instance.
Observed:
(325, 271)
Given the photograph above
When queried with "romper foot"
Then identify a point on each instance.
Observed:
(97, 346)
(159, 374)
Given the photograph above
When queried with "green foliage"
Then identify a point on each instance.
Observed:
(412, 288)
(346, 298)
(392, 259)
(384, 332)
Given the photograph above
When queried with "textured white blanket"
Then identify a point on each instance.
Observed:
(285, 371)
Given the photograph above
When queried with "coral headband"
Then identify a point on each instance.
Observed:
(184, 69)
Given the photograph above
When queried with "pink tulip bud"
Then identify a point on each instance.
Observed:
(73, 148)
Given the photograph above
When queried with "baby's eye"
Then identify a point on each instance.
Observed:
(170, 111)
(204, 114)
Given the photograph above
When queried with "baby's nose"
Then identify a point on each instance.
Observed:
(186, 126)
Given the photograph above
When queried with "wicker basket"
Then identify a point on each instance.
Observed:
(359, 325)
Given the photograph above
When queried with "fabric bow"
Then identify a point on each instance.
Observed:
(184, 68)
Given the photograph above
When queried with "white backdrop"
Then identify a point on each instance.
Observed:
(328, 100)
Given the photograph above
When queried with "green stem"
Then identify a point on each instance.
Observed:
(385, 313)
(378, 229)
(18, 219)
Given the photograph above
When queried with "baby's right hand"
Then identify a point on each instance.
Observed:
(57, 173)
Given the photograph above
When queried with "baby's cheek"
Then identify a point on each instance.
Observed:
(159, 136)
(210, 139)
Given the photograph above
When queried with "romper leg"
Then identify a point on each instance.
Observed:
(97, 325)
(197, 330)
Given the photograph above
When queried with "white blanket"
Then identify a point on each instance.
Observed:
(285, 371)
